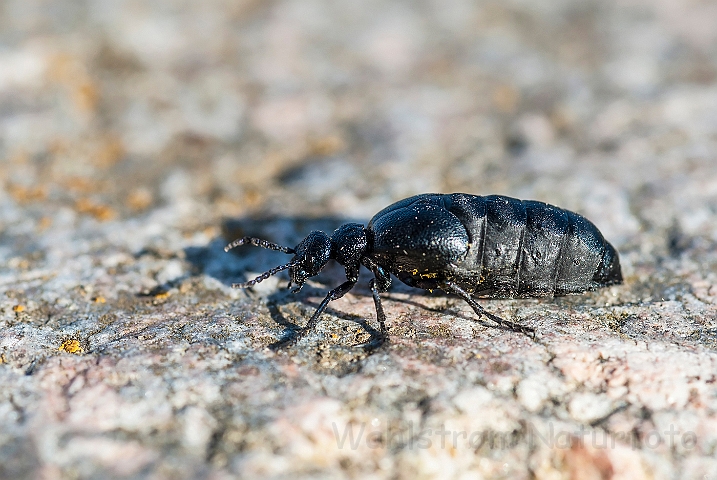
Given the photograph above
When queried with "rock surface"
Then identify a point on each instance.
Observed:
(137, 138)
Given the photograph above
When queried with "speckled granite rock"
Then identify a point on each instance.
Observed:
(137, 138)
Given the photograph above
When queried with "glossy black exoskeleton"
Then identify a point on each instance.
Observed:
(467, 245)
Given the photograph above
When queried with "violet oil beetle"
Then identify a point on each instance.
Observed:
(468, 245)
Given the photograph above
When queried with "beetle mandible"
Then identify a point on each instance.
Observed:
(468, 245)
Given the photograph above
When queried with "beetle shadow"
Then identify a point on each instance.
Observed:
(292, 329)
(448, 310)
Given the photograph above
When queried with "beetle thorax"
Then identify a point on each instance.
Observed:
(349, 244)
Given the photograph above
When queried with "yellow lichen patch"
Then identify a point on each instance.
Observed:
(20, 157)
(73, 75)
(82, 185)
(23, 194)
(58, 146)
(211, 231)
(18, 308)
(44, 223)
(2, 359)
(86, 94)
(161, 295)
(110, 151)
(61, 68)
(415, 273)
(71, 346)
(252, 197)
(139, 199)
(506, 98)
(99, 299)
(328, 145)
(100, 212)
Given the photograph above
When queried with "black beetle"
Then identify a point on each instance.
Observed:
(468, 245)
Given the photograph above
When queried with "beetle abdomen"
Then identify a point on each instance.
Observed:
(528, 248)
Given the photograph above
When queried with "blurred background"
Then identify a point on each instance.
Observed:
(138, 137)
(110, 109)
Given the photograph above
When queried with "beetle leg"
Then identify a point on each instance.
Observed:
(383, 278)
(334, 294)
(382, 338)
(380, 283)
(516, 327)
(381, 317)
(376, 343)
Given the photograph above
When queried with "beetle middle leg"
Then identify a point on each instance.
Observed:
(382, 338)
(380, 283)
(380, 315)
(480, 311)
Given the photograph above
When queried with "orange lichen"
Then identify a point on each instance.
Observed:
(61, 68)
(252, 197)
(20, 157)
(73, 74)
(325, 146)
(211, 231)
(24, 194)
(139, 199)
(72, 346)
(58, 146)
(80, 185)
(86, 95)
(99, 299)
(506, 98)
(18, 308)
(100, 212)
(109, 152)
(44, 223)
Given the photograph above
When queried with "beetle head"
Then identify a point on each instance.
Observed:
(312, 254)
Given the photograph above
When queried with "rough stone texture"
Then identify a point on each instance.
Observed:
(137, 138)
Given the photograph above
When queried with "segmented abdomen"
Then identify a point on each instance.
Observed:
(529, 248)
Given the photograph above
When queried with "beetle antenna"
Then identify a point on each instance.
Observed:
(265, 275)
(258, 242)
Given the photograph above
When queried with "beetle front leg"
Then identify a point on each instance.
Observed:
(334, 294)
(480, 311)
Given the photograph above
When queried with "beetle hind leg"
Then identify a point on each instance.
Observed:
(480, 311)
